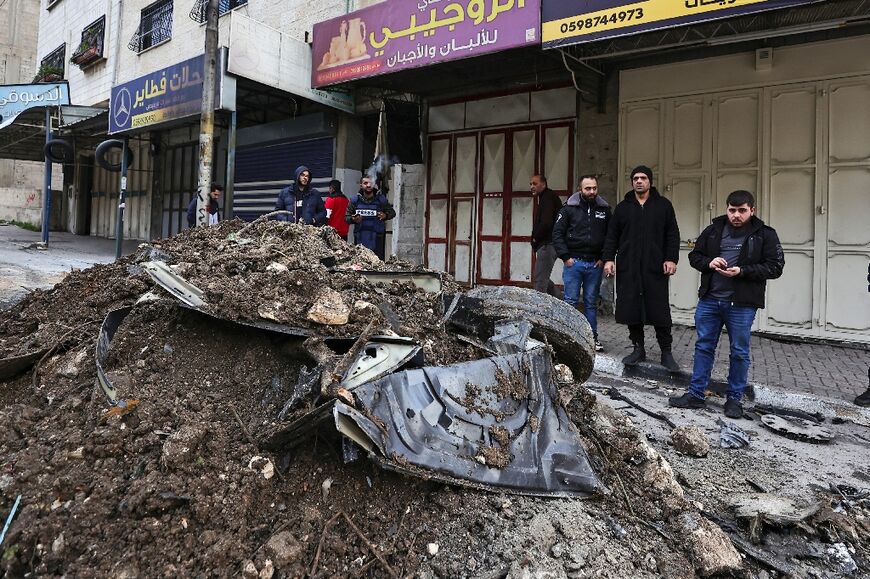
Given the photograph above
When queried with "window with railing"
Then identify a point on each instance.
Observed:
(51, 68)
(197, 13)
(155, 26)
(90, 49)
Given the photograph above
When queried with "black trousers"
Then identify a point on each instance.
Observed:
(663, 336)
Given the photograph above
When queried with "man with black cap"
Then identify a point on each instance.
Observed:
(642, 249)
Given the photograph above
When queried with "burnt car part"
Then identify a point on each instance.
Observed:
(553, 321)
(491, 424)
(798, 428)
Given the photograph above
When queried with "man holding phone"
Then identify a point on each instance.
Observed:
(736, 255)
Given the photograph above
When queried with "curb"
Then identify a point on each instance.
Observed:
(828, 408)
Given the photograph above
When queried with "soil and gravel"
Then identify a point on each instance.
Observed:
(175, 484)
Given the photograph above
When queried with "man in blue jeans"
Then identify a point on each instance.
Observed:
(736, 255)
(578, 237)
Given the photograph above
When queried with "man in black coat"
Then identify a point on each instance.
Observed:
(542, 234)
(736, 255)
(642, 249)
(864, 398)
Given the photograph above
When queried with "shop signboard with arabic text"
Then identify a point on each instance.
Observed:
(401, 34)
(17, 98)
(566, 22)
(171, 93)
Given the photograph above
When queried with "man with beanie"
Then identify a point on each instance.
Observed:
(336, 207)
(302, 201)
(642, 249)
(368, 211)
(578, 238)
(212, 207)
(736, 255)
(542, 234)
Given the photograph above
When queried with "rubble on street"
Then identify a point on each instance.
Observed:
(265, 400)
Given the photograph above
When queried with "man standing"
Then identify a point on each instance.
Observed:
(578, 238)
(368, 211)
(302, 200)
(863, 399)
(736, 255)
(213, 206)
(642, 248)
(336, 208)
(542, 234)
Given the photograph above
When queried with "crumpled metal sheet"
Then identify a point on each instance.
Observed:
(444, 423)
(732, 436)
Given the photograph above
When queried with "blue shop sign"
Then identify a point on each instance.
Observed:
(17, 98)
(172, 93)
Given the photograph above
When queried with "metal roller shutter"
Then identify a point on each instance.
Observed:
(262, 171)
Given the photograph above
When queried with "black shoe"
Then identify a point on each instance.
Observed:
(687, 401)
(598, 346)
(638, 355)
(733, 409)
(669, 362)
(863, 399)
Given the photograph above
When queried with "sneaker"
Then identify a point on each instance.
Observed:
(636, 356)
(687, 401)
(863, 399)
(669, 362)
(733, 409)
(598, 346)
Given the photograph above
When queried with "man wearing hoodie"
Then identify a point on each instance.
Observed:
(368, 211)
(642, 249)
(336, 207)
(736, 255)
(302, 200)
(578, 238)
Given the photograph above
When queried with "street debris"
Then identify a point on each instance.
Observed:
(731, 435)
(294, 406)
(690, 440)
(798, 428)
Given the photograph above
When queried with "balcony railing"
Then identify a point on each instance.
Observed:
(51, 68)
(197, 13)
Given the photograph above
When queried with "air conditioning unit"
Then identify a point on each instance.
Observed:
(764, 59)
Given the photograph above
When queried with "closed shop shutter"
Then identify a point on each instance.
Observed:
(263, 170)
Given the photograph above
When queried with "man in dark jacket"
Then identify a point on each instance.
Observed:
(736, 255)
(642, 250)
(212, 207)
(542, 234)
(368, 211)
(864, 398)
(578, 238)
(302, 200)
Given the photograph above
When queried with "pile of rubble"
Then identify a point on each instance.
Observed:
(265, 400)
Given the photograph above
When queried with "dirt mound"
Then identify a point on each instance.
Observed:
(174, 484)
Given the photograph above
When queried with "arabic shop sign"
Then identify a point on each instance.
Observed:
(172, 93)
(402, 34)
(568, 22)
(17, 98)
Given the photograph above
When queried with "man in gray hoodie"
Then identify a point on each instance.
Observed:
(578, 237)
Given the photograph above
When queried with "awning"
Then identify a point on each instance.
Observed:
(24, 139)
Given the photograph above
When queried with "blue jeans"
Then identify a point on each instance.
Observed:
(710, 316)
(584, 274)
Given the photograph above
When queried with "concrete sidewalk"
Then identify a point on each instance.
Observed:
(24, 267)
(838, 372)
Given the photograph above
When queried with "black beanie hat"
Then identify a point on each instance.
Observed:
(336, 184)
(642, 169)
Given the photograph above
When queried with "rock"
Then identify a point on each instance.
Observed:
(563, 374)
(71, 368)
(268, 570)
(712, 550)
(272, 311)
(276, 267)
(690, 440)
(284, 549)
(58, 545)
(558, 550)
(432, 549)
(249, 570)
(263, 465)
(329, 308)
(181, 446)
